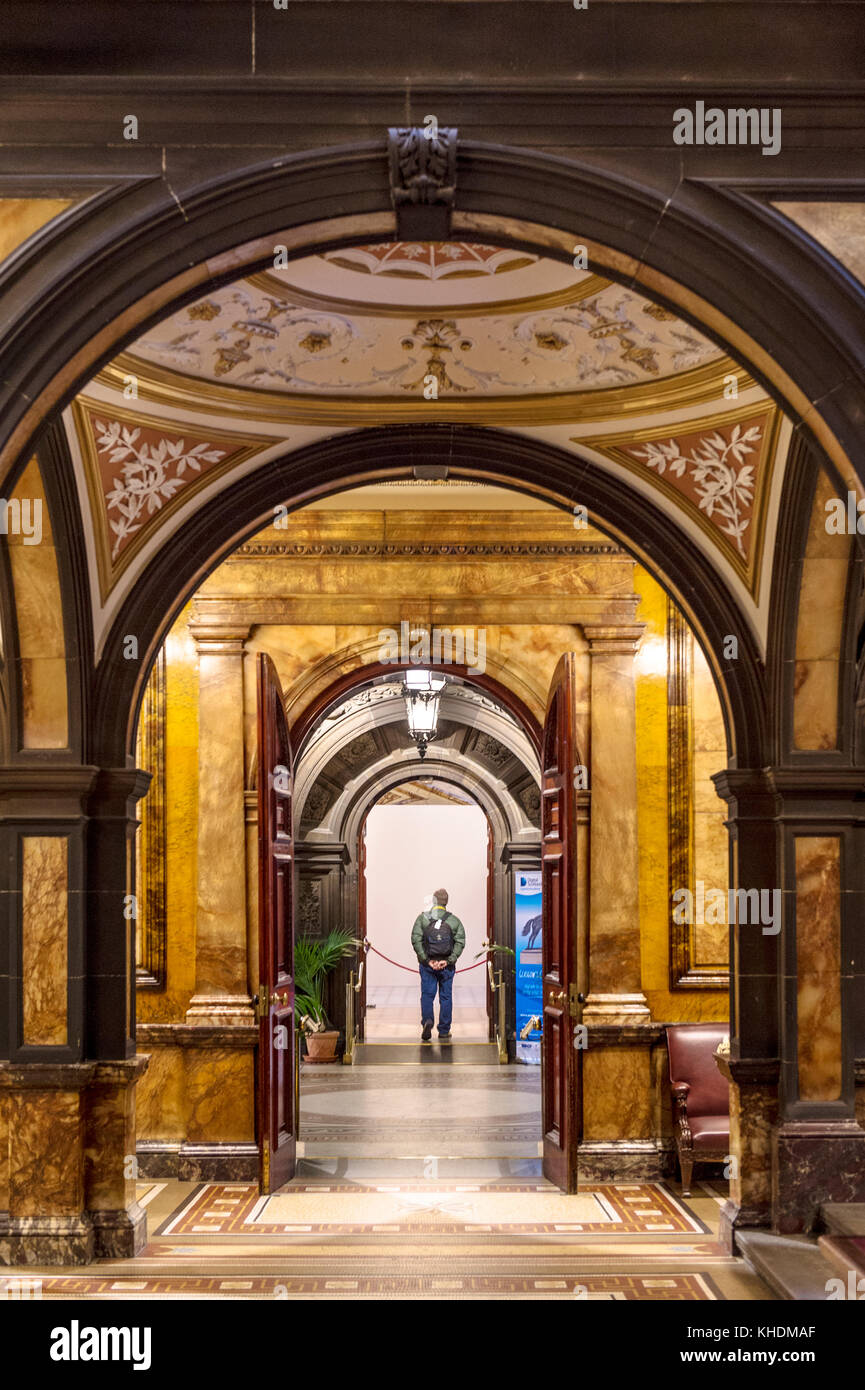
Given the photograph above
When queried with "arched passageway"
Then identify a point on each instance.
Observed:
(793, 804)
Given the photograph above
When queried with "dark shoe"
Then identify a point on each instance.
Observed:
(445, 1037)
(427, 1032)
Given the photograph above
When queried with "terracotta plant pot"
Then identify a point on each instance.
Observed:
(321, 1047)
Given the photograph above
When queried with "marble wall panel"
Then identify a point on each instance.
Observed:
(614, 932)
(840, 227)
(5, 1108)
(220, 1091)
(44, 939)
(711, 843)
(109, 1171)
(46, 1171)
(650, 669)
(753, 1113)
(221, 918)
(818, 957)
(181, 819)
(41, 644)
(160, 1103)
(819, 628)
(617, 1093)
(21, 217)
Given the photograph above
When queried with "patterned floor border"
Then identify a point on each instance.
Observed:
(677, 1288)
(235, 1209)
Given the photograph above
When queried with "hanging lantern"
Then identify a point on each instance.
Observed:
(422, 690)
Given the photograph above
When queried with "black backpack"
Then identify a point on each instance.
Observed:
(438, 937)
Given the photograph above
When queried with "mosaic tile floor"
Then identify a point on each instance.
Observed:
(451, 1204)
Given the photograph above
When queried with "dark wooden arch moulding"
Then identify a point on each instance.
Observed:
(68, 308)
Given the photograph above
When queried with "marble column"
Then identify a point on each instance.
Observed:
(67, 1086)
(818, 1148)
(615, 983)
(753, 1066)
(221, 978)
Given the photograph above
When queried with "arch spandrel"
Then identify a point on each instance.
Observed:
(511, 181)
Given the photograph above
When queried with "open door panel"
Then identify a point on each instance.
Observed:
(277, 1117)
(561, 1060)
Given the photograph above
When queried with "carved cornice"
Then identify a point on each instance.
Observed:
(373, 550)
(46, 792)
(219, 639)
(609, 639)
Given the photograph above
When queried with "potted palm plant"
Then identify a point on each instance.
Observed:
(314, 959)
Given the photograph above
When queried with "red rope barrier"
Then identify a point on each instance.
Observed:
(465, 970)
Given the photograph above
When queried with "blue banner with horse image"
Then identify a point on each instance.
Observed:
(529, 964)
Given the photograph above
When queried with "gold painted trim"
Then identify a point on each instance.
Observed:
(528, 304)
(182, 392)
(748, 571)
(110, 570)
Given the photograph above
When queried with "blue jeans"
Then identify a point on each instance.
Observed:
(443, 982)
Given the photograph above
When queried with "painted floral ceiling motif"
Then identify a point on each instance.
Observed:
(245, 336)
(719, 468)
(430, 260)
(141, 469)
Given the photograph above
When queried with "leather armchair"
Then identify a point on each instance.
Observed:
(701, 1096)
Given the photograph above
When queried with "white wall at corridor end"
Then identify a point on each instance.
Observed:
(411, 851)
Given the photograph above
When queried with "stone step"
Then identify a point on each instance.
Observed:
(847, 1256)
(794, 1267)
(844, 1218)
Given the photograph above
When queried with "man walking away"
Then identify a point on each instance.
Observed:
(438, 939)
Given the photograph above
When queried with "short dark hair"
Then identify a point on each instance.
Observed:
(441, 896)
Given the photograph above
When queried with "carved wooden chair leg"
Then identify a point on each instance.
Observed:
(686, 1163)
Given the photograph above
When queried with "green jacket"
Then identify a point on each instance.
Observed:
(455, 925)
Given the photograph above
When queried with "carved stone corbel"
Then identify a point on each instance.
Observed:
(423, 170)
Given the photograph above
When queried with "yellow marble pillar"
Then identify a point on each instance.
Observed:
(221, 980)
(615, 979)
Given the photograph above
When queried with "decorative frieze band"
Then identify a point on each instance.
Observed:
(374, 550)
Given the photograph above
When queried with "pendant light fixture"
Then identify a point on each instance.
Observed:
(422, 690)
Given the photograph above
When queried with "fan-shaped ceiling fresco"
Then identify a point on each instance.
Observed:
(394, 332)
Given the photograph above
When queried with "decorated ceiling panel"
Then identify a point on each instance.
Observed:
(392, 332)
(253, 335)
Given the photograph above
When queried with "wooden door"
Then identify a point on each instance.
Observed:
(361, 929)
(277, 1042)
(560, 1060)
(491, 932)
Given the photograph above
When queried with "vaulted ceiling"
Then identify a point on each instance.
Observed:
(394, 332)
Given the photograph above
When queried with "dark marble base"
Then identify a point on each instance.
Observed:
(626, 1160)
(815, 1162)
(117, 1235)
(199, 1162)
(46, 1240)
